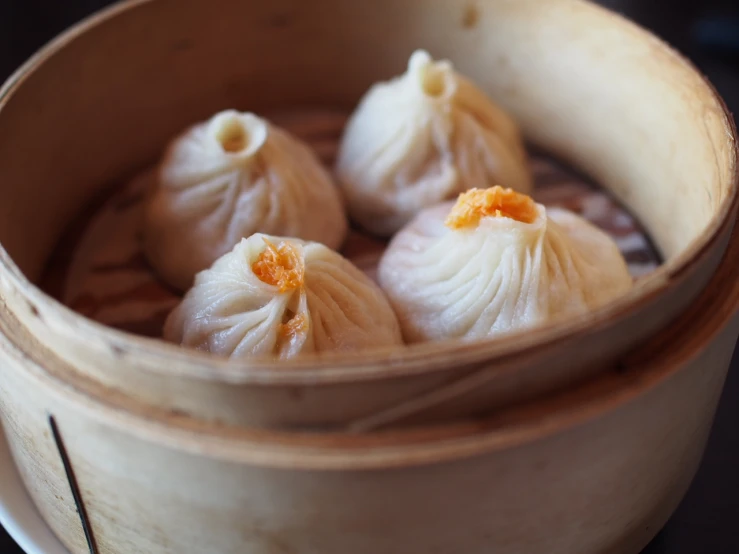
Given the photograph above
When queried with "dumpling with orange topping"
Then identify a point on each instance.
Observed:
(227, 178)
(496, 262)
(282, 297)
(423, 138)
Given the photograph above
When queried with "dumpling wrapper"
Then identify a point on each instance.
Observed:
(282, 297)
(423, 138)
(496, 262)
(227, 179)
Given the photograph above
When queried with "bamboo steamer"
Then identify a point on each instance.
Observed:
(178, 453)
(596, 469)
(600, 93)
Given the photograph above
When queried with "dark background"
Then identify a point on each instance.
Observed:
(707, 522)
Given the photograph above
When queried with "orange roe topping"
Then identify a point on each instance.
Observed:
(295, 326)
(280, 266)
(475, 204)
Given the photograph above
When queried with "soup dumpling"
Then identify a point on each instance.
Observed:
(497, 262)
(422, 138)
(282, 297)
(227, 179)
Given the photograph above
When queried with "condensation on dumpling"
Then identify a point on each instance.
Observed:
(228, 178)
(483, 267)
(282, 297)
(422, 138)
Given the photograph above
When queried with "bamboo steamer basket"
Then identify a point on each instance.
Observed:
(596, 469)
(592, 88)
(176, 453)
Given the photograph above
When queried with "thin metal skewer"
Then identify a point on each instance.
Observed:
(86, 526)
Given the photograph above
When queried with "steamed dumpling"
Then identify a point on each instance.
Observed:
(282, 297)
(497, 262)
(228, 178)
(423, 138)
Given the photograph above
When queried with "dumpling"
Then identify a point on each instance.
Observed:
(227, 179)
(421, 139)
(282, 297)
(496, 262)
